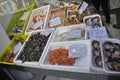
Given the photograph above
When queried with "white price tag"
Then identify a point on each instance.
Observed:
(38, 24)
(82, 7)
(47, 31)
(24, 15)
(77, 50)
(54, 22)
(74, 34)
(100, 33)
(17, 47)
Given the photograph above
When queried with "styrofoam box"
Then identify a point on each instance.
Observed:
(36, 11)
(105, 67)
(32, 63)
(82, 63)
(61, 33)
(93, 66)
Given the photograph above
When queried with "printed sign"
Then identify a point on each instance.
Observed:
(38, 24)
(54, 22)
(82, 7)
(74, 34)
(17, 47)
(77, 50)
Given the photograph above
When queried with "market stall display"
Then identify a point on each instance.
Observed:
(70, 33)
(9, 53)
(38, 19)
(58, 56)
(111, 55)
(33, 49)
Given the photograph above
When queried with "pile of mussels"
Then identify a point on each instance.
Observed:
(33, 48)
(111, 53)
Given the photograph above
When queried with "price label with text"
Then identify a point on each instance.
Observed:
(74, 34)
(17, 47)
(47, 31)
(38, 24)
(77, 50)
(100, 33)
(82, 7)
(54, 22)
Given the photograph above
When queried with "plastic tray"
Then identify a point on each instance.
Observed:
(104, 58)
(32, 63)
(35, 13)
(15, 19)
(93, 64)
(61, 33)
(10, 46)
(82, 64)
(59, 12)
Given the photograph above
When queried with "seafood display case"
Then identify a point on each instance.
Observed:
(64, 33)
(33, 49)
(57, 57)
(38, 19)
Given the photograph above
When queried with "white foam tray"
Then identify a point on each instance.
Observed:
(105, 67)
(93, 64)
(65, 29)
(36, 11)
(32, 63)
(82, 64)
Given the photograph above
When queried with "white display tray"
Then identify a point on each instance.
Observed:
(82, 64)
(93, 65)
(32, 63)
(35, 12)
(61, 33)
(105, 67)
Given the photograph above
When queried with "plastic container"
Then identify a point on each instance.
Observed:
(19, 61)
(61, 33)
(38, 19)
(96, 60)
(15, 21)
(110, 57)
(82, 64)
(9, 49)
(57, 13)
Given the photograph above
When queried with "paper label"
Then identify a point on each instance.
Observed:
(100, 33)
(82, 7)
(47, 31)
(38, 24)
(74, 34)
(77, 50)
(24, 16)
(17, 47)
(54, 22)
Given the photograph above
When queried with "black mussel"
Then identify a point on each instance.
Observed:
(98, 61)
(116, 46)
(96, 52)
(96, 44)
(110, 65)
(107, 45)
(116, 54)
(107, 53)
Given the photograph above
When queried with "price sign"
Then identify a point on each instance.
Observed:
(54, 22)
(38, 24)
(74, 34)
(24, 15)
(100, 33)
(47, 31)
(17, 47)
(77, 50)
(82, 7)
